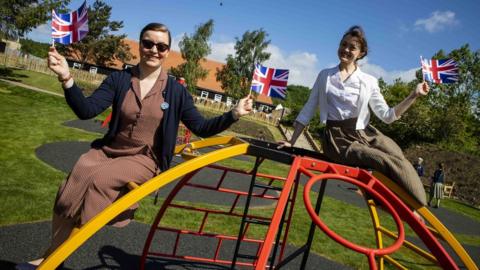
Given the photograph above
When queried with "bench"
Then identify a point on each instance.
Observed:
(448, 189)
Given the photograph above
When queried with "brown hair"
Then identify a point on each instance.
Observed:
(157, 27)
(357, 31)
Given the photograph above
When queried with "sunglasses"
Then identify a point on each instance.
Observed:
(148, 44)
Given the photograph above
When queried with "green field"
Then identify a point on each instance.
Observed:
(27, 187)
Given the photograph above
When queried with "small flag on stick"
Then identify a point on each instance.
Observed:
(270, 82)
(70, 27)
(439, 70)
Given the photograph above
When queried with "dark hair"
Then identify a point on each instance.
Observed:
(357, 31)
(157, 27)
(441, 165)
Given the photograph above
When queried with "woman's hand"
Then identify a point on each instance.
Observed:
(58, 64)
(244, 107)
(422, 89)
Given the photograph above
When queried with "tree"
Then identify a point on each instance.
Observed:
(18, 17)
(236, 75)
(194, 49)
(447, 115)
(99, 45)
(34, 48)
(415, 124)
(297, 96)
(454, 105)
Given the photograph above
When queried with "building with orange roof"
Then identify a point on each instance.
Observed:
(208, 88)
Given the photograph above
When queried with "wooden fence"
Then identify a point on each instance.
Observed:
(211, 105)
(40, 65)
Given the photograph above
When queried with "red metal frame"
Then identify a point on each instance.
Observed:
(405, 213)
(316, 170)
(371, 253)
(185, 182)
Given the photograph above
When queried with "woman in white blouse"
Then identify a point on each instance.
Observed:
(343, 95)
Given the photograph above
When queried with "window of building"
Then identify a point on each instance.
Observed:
(77, 65)
(262, 108)
(93, 70)
(229, 101)
(204, 95)
(218, 98)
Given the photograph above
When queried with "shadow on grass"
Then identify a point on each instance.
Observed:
(115, 258)
(9, 74)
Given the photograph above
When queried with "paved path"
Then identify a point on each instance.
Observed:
(31, 87)
(113, 248)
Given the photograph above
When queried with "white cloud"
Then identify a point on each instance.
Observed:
(44, 29)
(302, 65)
(438, 21)
(42, 33)
(175, 40)
(388, 76)
(220, 50)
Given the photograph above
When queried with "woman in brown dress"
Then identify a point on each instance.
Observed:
(147, 106)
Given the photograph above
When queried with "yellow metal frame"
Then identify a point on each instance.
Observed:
(436, 227)
(376, 225)
(234, 147)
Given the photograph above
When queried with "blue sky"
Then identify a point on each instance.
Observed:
(305, 34)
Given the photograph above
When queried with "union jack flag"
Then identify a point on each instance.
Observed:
(270, 82)
(440, 70)
(70, 27)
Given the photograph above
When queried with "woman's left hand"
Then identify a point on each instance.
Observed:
(422, 89)
(244, 107)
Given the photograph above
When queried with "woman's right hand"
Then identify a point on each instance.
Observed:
(58, 64)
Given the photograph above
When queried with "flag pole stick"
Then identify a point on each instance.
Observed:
(53, 39)
(254, 67)
(421, 65)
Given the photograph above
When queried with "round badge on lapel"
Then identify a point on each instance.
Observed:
(164, 105)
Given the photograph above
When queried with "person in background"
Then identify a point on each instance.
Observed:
(419, 167)
(436, 187)
(344, 95)
(147, 107)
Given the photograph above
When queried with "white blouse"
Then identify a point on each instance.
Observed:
(369, 95)
(342, 96)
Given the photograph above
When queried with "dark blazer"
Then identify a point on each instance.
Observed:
(438, 176)
(181, 108)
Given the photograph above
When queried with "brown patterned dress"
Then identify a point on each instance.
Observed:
(99, 177)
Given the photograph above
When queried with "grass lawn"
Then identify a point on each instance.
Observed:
(28, 186)
(29, 120)
(40, 80)
(462, 208)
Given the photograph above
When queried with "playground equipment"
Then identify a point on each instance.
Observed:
(281, 191)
